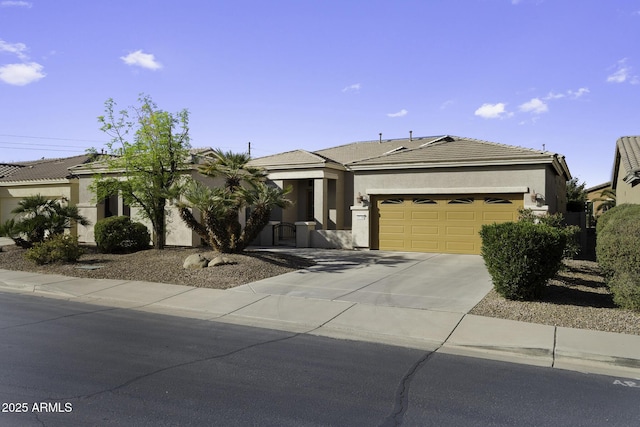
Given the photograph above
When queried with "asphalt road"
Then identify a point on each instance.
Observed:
(68, 364)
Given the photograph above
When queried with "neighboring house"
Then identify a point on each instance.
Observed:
(49, 177)
(428, 194)
(626, 170)
(178, 234)
(595, 193)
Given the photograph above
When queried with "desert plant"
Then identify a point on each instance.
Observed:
(625, 287)
(120, 234)
(556, 220)
(618, 240)
(57, 248)
(244, 186)
(40, 217)
(521, 257)
(149, 150)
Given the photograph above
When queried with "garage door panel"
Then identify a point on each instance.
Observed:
(460, 231)
(392, 244)
(461, 216)
(460, 247)
(393, 215)
(426, 246)
(391, 229)
(440, 223)
(430, 231)
(498, 216)
(428, 216)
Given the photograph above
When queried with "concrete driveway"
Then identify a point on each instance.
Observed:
(441, 282)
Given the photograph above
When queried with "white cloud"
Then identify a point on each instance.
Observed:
(493, 111)
(578, 93)
(572, 94)
(352, 88)
(16, 4)
(622, 73)
(16, 48)
(141, 59)
(553, 95)
(535, 106)
(447, 104)
(21, 74)
(400, 113)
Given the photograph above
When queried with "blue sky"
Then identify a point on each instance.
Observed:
(289, 74)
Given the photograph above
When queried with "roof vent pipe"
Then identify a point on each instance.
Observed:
(410, 135)
(380, 137)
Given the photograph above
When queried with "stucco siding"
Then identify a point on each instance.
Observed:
(532, 178)
(625, 193)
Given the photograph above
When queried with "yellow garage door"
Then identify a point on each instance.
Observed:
(439, 223)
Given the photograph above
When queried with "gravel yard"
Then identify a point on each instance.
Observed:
(164, 266)
(576, 298)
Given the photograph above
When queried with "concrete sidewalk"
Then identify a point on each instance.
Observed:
(364, 296)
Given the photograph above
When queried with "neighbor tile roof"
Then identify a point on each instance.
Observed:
(629, 149)
(45, 169)
(7, 169)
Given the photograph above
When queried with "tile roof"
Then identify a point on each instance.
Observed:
(7, 169)
(363, 150)
(455, 149)
(45, 169)
(421, 150)
(290, 159)
(629, 149)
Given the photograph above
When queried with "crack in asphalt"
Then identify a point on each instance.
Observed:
(402, 393)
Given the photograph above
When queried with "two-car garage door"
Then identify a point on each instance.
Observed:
(438, 223)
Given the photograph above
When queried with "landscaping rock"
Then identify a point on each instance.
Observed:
(220, 260)
(195, 261)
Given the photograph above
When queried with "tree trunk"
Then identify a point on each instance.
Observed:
(159, 228)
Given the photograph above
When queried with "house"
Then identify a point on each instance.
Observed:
(594, 193)
(48, 177)
(626, 170)
(178, 234)
(427, 194)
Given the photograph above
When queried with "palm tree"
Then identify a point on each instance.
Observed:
(607, 199)
(40, 217)
(262, 199)
(234, 167)
(219, 208)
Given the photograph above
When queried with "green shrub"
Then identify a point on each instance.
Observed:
(556, 220)
(625, 287)
(521, 257)
(120, 234)
(618, 253)
(614, 214)
(57, 248)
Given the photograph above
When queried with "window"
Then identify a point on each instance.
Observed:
(462, 201)
(392, 202)
(496, 201)
(424, 202)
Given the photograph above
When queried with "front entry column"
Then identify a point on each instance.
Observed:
(320, 198)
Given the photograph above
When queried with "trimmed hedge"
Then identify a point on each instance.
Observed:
(57, 248)
(118, 234)
(521, 257)
(618, 253)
